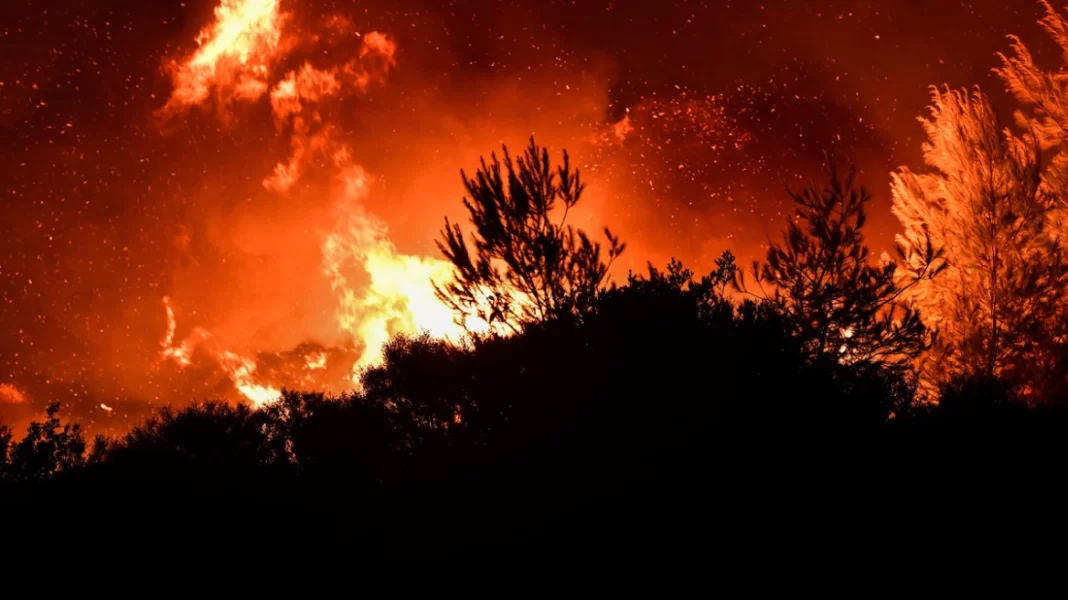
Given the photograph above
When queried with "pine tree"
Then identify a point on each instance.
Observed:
(1043, 96)
(528, 264)
(823, 278)
(997, 305)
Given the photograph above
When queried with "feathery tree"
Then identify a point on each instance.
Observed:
(998, 305)
(528, 264)
(1043, 95)
(841, 304)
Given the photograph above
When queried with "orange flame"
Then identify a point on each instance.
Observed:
(379, 292)
(241, 370)
(234, 57)
(316, 361)
(183, 352)
(400, 296)
(9, 394)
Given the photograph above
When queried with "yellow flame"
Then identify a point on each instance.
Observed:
(238, 367)
(234, 56)
(183, 352)
(379, 291)
(315, 361)
(241, 370)
(398, 293)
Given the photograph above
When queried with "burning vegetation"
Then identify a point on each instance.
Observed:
(289, 273)
(378, 292)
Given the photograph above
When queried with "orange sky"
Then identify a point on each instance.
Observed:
(135, 160)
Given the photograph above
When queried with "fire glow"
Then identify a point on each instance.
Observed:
(378, 291)
(211, 195)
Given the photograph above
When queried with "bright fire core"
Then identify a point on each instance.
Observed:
(378, 292)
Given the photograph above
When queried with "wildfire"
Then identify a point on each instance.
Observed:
(10, 394)
(315, 362)
(234, 57)
(241, 370)
(183, 352)
(378, 291)
(399, 297)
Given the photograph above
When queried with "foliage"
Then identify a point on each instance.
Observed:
(603, 428)
(998, 304)
(978, 396)
(823, 279)
(528, 264)
(5, 449)
(211, 435)
(319, 433)
(1043, 97)
(49, 448)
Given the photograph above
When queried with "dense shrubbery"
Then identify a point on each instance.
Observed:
(665, 409)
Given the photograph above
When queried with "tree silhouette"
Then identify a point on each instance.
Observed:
(5, 449)
(211, 434)
(98, 452)
(841, 305)
(998, 305)
(320, 434)
(427, 404)
(528, 264)
(48, 448)
(977, 396)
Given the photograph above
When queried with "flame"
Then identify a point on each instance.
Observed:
(399, 297)
(9, 394)
(234, 56)
(241, 369)
(106, 408)
(307, 85)
(379, 292)
(316, 361)
(294, 103)
(183, 352)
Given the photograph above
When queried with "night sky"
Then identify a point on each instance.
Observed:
(687, 119)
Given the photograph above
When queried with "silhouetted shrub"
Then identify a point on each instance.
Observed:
(5, 449)
(48, 448)
(211, 436)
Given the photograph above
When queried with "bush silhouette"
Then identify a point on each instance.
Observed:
(600, 439)
(47, 449)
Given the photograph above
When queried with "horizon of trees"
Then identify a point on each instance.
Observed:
(596, 439)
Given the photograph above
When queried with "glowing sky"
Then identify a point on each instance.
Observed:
(687, 117)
